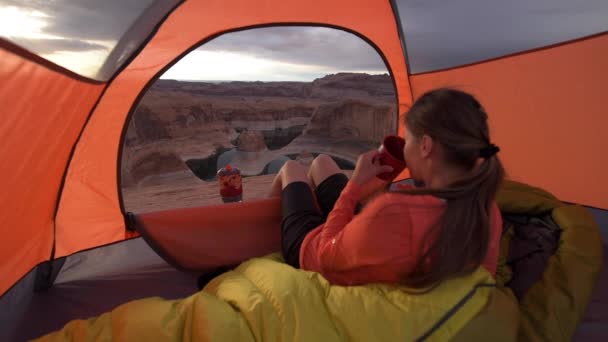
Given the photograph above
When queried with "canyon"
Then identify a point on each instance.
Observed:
(182, 132)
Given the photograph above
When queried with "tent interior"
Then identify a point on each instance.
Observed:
(118, 115)
(92, 282)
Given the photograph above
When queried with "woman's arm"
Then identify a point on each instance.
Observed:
(372, 189)
(374, 237)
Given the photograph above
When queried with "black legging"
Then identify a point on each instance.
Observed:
(301, 215)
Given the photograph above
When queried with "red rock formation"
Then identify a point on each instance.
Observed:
(353, 119)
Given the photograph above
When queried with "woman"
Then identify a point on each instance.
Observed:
(417, 236)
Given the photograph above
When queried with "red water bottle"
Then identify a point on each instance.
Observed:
(231, 186)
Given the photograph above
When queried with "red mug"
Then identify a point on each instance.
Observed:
(391, 153)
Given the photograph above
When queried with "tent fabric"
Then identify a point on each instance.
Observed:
(14, 304)
(90, 283)
(257, 302)
(47, 111)
(100, 48)
(593, 326)
(196, 238)
(546, 113)
(90, 197)
(471, 31)
(601, 217)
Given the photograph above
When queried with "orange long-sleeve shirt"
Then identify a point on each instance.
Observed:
(381, 244)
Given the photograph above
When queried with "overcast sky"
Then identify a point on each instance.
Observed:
(279, 53)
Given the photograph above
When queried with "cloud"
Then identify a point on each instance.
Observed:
(278, 54)
(318, 46)
(85, 19)
(232, 66)
(49, 46)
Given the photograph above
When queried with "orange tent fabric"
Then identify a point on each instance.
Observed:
(547, 114)
(47, 111)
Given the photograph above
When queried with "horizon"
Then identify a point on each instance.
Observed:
(273, 81)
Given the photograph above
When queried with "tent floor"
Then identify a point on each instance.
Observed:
(594, 326)
(98, 280)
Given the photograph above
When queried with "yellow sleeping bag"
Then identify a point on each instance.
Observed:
(553, 307)
(266, 300)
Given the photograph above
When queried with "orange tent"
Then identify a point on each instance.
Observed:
(62, 128)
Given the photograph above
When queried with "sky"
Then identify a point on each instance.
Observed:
(78, 36)
(278, 54)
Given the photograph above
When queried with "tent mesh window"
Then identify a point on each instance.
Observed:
(254, 104)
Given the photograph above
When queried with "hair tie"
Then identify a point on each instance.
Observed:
(488, 151)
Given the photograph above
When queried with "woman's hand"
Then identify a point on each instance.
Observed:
(368, 166)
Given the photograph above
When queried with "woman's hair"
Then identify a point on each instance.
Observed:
(459, 241)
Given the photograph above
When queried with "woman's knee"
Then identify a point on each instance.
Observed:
(323, 161)
(322, 167)
(292, 166)
(292, 171)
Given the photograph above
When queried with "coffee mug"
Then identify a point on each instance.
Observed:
(391, 153)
